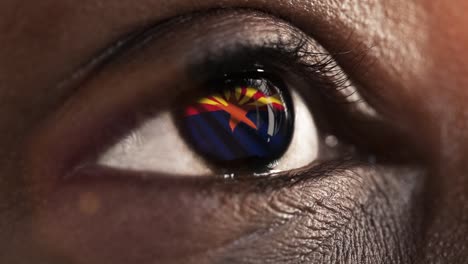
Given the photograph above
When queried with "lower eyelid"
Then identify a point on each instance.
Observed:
(179, 214)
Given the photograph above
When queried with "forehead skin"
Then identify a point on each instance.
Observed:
(420, 74)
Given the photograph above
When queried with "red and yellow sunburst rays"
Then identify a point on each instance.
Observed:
(237, 103)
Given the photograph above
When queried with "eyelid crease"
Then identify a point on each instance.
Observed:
(106, 56)
(299, 48)
(144, 34)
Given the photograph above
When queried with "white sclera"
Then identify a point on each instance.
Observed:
(156, 146)
(304, 145)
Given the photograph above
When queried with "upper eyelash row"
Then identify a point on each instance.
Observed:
(327, 66)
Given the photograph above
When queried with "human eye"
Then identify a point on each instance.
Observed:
(265, 101)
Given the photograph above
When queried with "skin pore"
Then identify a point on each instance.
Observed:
(54, 87)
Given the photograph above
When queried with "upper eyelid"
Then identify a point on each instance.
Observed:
(145, 35)
(123, 50)
(298, 44)
(267, 32)
(124, 46)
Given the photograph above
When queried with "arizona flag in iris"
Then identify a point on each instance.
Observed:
(240, 123)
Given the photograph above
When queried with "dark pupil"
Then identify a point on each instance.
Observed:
(242, 125)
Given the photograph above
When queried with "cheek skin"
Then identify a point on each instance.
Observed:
(318, 220)
(367, 229)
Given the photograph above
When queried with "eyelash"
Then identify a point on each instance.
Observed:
(326, 82)
(281, 57)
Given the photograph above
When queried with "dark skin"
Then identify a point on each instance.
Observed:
(407, 210)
